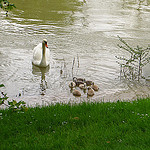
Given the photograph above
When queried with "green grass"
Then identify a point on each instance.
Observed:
(88, 126)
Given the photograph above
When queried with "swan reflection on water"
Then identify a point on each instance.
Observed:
(39, 71)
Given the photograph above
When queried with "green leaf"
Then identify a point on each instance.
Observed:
(10, 103)
(2, 85)
(14, 102)
(4, 98)
(23, 102)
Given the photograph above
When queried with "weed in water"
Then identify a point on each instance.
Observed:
(131, 68)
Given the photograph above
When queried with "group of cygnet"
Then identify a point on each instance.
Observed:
(84, 85)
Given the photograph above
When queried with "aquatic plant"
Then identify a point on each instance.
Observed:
(65, 72)
(131, 68)
(6, 5)
(12, 105)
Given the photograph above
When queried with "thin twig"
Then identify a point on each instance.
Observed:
(78, 60)
(73, 65)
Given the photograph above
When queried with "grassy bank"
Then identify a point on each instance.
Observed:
(104, 126)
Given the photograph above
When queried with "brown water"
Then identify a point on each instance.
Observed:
(86, 31)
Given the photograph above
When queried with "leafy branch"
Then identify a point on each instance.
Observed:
(12, 105)
(6, 5)
(131, 68)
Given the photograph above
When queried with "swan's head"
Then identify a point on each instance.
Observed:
(45, 42)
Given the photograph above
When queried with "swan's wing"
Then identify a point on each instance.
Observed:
(47, 55)
(37, 54)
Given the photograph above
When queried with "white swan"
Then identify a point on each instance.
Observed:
(41, 55)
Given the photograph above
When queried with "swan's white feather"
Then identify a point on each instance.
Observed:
(37, 55)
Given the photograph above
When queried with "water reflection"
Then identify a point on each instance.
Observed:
(38, 71)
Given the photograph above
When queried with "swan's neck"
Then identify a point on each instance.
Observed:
(43, 61)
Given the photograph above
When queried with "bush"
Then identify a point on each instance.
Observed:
(131, 68)
(6, 5)
(12, 105)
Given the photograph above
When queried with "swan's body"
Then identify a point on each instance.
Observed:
(41, 55)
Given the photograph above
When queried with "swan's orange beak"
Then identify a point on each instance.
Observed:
(46, 45)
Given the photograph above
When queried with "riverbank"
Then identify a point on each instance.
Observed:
(120, 125)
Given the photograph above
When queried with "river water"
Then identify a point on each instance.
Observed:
(81, 31)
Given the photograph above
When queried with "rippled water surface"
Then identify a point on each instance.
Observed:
(82, 31)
